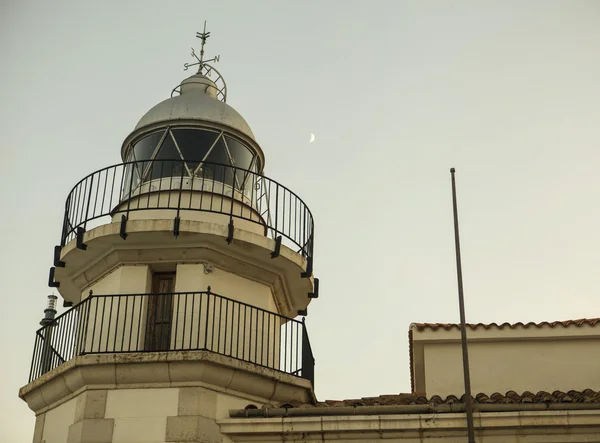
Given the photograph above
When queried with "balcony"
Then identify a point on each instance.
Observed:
(175, 188)
(191, 321)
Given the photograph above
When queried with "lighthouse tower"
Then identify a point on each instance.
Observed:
(186, 273)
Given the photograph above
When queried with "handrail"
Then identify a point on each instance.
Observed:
(168, 185)
(178, 321)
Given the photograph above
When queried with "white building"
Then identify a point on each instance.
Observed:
(186, 269)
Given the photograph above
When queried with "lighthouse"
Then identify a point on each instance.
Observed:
(186, 273)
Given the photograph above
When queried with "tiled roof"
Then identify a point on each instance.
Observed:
(511, 397)
(565, 324)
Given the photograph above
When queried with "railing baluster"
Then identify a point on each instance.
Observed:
(304, 233)
(288, 212)
(276, 341)
(95, 301)
(97, 191)
(202, 171)
(220, 325)
(112, 190)
(114, 348)
(121, 189)
(100, 320)
(225, 329)
(57, 338)
(285, 348)
(65, 228)
(192, 321)
(131, 322)
(262, 342)
(148, 193)
(185, 302)
(256, 341)
(199, 320)
(276, 226)
(138, 337)
(67, 350)
(32, 372)
(162, 303)
(212, 190)
(223, 184)
(191, 191)
(268, 336)
(232, 327)
(206, 327)
(250, 337)
(109, 323)
(89, 301)
(244, 336)
(104, 191)
(37, 371)
(180, 189)
(170, 184)
(77, 200)
(212, 335)
(78, 322)
(237, 337)
(160, 182)
(297, 345)
(79, 309)
(124, 323)
(175, 315)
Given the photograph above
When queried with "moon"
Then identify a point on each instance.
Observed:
(312, 138)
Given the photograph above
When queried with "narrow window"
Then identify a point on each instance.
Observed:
(160, 313)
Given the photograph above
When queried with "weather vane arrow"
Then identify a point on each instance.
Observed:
(203, 36)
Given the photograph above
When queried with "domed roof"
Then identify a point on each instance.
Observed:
(197, 101)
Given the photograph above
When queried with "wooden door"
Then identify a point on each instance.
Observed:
(160, 313)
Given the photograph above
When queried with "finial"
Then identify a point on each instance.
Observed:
(50, 311)
(201, 62)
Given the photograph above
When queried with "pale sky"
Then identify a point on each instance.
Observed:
(396, 92)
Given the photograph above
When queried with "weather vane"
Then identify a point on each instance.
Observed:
(201, 62)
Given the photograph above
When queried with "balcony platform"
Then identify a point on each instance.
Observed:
(151, 241)
(164, 369)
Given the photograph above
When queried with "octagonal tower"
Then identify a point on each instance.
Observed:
(184, 268)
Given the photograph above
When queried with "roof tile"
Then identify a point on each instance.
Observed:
(565, 323)
(510, 397)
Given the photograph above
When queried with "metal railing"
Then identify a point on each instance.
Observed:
(190, 186)
(183, 321)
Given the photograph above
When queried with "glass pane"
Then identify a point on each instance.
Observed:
(165, 168)
(194, 144)
(137, 170)
(130, 157)
(242, 157)
(145, 147)
(126, 179)
(251, 179)
(221, 171)
(143, 150)
(130, 183)
(254, 167)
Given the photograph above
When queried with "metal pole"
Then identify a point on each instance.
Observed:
(463, 326)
